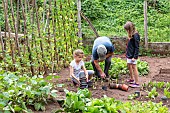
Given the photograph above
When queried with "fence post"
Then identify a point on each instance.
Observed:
(145, 24)
(79, 19)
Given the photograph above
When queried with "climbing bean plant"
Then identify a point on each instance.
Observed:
(49, 28)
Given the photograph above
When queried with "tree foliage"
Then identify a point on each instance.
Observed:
(109, 16)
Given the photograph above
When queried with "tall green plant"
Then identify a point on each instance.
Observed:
(49, 30)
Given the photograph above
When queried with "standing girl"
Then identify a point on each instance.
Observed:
(132, 52)
(77, 68)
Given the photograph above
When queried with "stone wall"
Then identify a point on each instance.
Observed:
(120, 45)
(160, 47)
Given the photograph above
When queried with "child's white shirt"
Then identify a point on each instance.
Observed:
(77, 67)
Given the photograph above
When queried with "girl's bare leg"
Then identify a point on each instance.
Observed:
(136, 74)
(130, 71)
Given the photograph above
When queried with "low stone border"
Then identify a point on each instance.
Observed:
(162, 48)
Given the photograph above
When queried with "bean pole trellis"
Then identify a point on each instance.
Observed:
(50, 35)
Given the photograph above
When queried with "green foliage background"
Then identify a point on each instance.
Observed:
(109, 17)
(50, 39)
(1, 14)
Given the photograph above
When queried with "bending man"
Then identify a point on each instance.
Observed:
(102, 51)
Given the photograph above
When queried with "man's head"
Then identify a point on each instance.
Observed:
(101, 51)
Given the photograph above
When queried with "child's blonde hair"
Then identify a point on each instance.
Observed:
(78, 52)
(130, 27)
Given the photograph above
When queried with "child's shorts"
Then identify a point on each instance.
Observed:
(129, 61)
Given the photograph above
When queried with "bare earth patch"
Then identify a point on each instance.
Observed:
(155, 74)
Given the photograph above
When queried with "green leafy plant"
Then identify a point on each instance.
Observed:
(119, 67)
(132, 96)
(150, 84)
(143, 67)
(167, 93)
(75, 102)
(19, 91)
(106, 105)
(153, 93)
(144, 85)
(160, 84)
(88, 65)
(168, 85)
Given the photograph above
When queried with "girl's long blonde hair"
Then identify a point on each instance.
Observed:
(130, 28)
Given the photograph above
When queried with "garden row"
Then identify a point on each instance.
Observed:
(151, 88)
(119, 67)
(17, 92)
(82, 102)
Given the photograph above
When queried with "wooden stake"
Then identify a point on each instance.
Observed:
(90, 24)
(79, 19)
(54, 36)
(145, 24)
(25, 34)
(5, 7)
(39, 33)
(15, 28)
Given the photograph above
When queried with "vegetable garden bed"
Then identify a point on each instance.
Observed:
(155, 65)
(154, 86)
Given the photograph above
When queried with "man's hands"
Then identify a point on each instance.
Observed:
(103, 75)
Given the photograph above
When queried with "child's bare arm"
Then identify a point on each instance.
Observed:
(72, 73)
(85, 71)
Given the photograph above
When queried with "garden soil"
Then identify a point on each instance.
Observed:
(156, 64)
